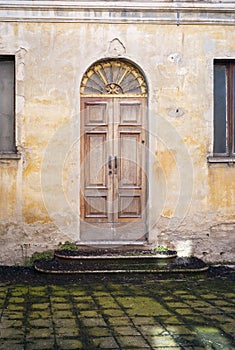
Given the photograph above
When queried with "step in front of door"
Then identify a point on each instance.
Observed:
(121, 265)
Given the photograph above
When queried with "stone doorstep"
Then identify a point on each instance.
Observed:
(160, 271)
(117, 261)
(118, 256)
(125, 251)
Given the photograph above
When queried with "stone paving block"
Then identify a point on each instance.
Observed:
(151, 330)
(81, 292)
(15, 307)
(2, 292)
(58, 291)
(40, 322)
(229, 295)
(38, 293)
(60, 306)
(168, 348)
(123, 320)
(169, 298)
(100, 293)
(190, 298)
(16, 300)
(98, 332)
(66, 332)
(194, 319)
(65, 322)
(162, 341)
(85, 306)
(89, 313)
(228, 328)
(107, 303)
(221, 302)
(11, 333)
(6, 323)
(105, 343)
(19, 315)
(197, 304)
(69, 344)
(63, 314)
(85, 299)
(141, 320)
(127, 330)
(222, 318)
(41, 344)
(19, 291)
(132, 342)
(40, 333)
(180, 292)
(91, 322)
(40, 314)
(114, 312)
(184, 311)
(54, 299)
(82, 298)
(176, 304)
(229, 310)
(11, 345)
(209, 296)
(36, 300)
(41, 306)
(210, 310)
(171, 319)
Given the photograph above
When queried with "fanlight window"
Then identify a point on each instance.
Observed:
(113, 78)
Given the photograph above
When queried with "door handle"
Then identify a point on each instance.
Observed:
(115, 162)
(110, 162)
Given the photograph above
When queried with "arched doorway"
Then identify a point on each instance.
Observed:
(113, 153)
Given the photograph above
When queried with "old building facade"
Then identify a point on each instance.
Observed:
(117, 125)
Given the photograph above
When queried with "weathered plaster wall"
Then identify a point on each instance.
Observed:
(191, 203)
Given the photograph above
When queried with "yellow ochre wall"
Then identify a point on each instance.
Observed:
(191, 202)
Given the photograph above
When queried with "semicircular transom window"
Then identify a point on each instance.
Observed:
(113, 78)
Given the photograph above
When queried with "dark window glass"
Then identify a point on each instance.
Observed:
(220, 109)
(234, 109)
(7, 104)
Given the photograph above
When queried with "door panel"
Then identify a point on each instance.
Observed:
(96, 113)
(95, 167)
(129, 206)
(129, 157)
(113, 184)
(130, 113)
(96, 206)
(130, 194)
(95, 195)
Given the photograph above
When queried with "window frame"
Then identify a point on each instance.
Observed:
(230, 113)
(13, 152)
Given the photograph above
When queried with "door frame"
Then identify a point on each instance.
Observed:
(103, 97)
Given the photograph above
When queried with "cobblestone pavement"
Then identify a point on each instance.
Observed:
(167, 315)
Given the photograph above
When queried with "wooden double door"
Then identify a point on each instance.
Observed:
(113, 169)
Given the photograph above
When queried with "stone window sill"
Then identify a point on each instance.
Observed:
(230, 161)
(10, 155)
